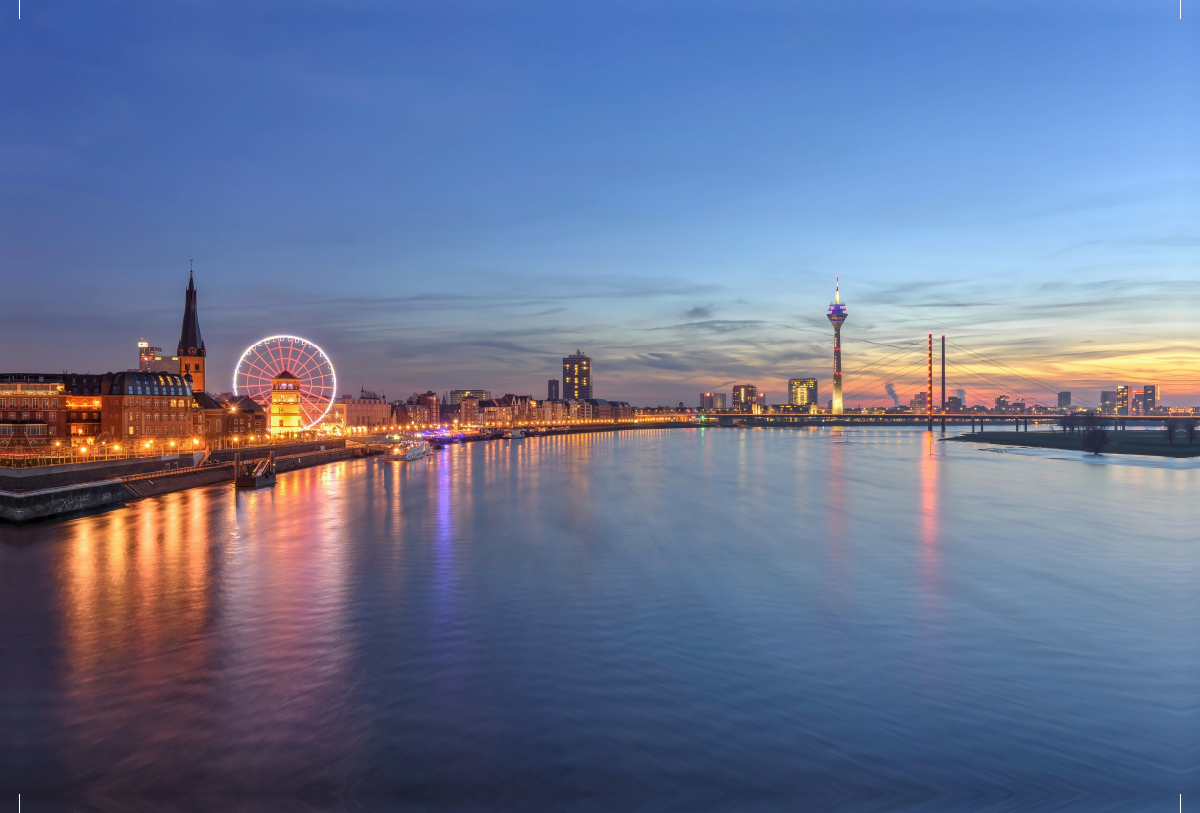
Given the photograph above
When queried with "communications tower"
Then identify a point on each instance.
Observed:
(837, 315)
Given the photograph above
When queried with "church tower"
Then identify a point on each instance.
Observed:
(191, 345)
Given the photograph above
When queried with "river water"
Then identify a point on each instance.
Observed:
(675, 619)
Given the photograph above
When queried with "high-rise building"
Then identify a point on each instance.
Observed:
(1123, 400)
(1064, 400)
(1150, 398)
(1108, 402)
(919, 402)
(553, 392)
(954, 404)
(712, 400)
(577, 376)
(151, 360)
(191, 346)
(745, 397)
(456, 396)
(837, 315)
(802, 391)
(1002, 403)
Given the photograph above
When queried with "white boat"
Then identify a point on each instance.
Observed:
(408, 451)
(513, 434)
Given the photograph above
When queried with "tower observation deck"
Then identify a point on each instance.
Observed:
(837, 315)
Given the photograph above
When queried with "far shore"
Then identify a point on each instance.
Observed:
(1153, 443)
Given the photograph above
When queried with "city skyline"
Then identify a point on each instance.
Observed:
(529, 199)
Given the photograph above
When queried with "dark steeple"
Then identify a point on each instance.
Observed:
(190, 341)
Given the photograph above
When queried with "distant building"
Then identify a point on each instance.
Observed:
(1064, 400)
(919, 402)
(712, 400)
(468, 410)
(1123, 400)
(553, 392)
(745, 397)
(369, 411)
(1002, 403)
(431, 402)
(802, 391)
(478, 395)
(1108, 402)
(1150, 398)
(577, 376)
(151, 360)
(954, 404)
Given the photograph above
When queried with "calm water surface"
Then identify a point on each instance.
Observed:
(674, 619)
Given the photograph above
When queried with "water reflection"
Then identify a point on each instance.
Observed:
(846, 615)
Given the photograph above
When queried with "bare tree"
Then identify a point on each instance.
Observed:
(1093, 438)
(1172, 430)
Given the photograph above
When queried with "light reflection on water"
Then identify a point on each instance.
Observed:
(857, 619)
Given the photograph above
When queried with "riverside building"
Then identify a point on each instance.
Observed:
(577, 376)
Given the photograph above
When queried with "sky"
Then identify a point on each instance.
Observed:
(457, 195)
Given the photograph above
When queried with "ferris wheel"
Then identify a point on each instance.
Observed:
(267, 359)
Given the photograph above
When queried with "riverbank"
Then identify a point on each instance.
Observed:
(1150, 443)
(25, 505)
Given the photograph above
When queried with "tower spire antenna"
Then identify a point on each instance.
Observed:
(837, 316)
(191, 270)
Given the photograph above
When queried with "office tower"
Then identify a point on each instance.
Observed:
(1108, 402)
(552, 390)
(712, 400)
(745, 396)
(456, 396)
(1001, 403)
(919, 402)
(191, 346)
(577, 376)
(150, 360)
(1123, 401)
(1150, 398)
(954, 404)
(1064, 400)
(837, 315)
(802, 391)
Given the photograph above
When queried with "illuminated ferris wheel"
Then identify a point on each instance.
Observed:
(267, 359)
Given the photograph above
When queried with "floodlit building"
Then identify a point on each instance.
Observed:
(745, 397)
(191, 353)
(285, 416)
(802, 391)
(1124, 402)
(712, 400)
(1064, 400)
(479, 395)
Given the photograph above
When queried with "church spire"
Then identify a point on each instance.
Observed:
(190, 341)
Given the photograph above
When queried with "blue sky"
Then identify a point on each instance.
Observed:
(458, 194)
